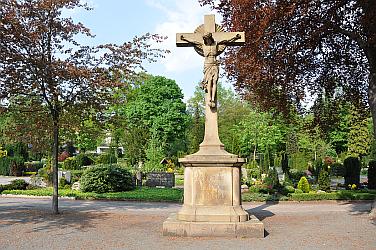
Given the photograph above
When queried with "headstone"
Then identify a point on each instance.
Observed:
(212, 193)
(160, 179)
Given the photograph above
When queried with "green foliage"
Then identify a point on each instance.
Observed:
(70, 163)
(359, 140)
(5, 165)
(63, 183)
(273, 176)
(106, 158)
(295, 175)
(298, 191)
(106, 178)
(18, 149)
(46, 173)
(338, 195)
(303, 185)
(324, 180)
(337, 169)
(372, 175)
(157, 107)
(253, 170)
(287, 190)
(154, 155)
(352, 171)
(143, 194)
(11, 166)
(33, 166)
(84, 160)
(18, 184)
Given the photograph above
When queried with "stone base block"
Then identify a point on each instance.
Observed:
(252, 228)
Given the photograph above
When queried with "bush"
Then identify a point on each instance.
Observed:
(274, 181)
(298, 191)
(33, 166)
(63, 183)
(352, 171)
(372, 174)
(106, 178)
(253, 171)
(303, 184)
(106, 159)
(84, 160)
(18, 184)
(324, 181)
(287, 190)
(70, 163)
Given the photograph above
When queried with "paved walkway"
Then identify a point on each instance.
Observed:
(28, 224)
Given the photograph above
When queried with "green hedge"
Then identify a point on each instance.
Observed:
(144, 194)
(339, 195)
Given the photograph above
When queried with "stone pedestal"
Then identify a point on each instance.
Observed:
(212, 198)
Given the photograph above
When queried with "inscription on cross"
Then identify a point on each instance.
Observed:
(209, 40)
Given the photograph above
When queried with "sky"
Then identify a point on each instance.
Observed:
(117, 21)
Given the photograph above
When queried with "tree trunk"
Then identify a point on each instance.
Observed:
(55, 150)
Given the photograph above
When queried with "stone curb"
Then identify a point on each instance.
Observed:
(35, 197)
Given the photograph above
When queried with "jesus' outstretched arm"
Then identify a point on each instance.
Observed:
(237, 37)
(188, 41)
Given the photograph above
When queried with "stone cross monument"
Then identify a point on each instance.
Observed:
(212, 198)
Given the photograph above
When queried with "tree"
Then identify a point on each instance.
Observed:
(155, 107)
(298, 47)
(40, 58)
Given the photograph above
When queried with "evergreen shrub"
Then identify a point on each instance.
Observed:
(352, 171)
(106, 178)
(324, 180)
(372, 174)
(303, 184)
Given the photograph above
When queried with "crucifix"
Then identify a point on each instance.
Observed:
(212, 194)
(209, 40)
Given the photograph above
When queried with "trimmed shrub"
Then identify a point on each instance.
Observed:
(372, 175)
(106, 178)
(324, 180)
(106, 159)
(303, 184)
(352, 171)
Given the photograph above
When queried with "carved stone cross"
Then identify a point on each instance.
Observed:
(209, 40)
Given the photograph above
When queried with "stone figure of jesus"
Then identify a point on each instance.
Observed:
(211, 66)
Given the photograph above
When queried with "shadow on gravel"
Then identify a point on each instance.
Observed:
(357, 207)
(42, 219)
(260, 211)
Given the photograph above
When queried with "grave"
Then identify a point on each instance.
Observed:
(212, 196)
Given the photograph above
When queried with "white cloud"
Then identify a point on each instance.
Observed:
(182, 16)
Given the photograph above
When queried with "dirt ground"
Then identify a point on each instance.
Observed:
(29, 224)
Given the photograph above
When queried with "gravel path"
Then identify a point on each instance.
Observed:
(28, 224)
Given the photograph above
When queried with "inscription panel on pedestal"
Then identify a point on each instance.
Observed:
(213, 186)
